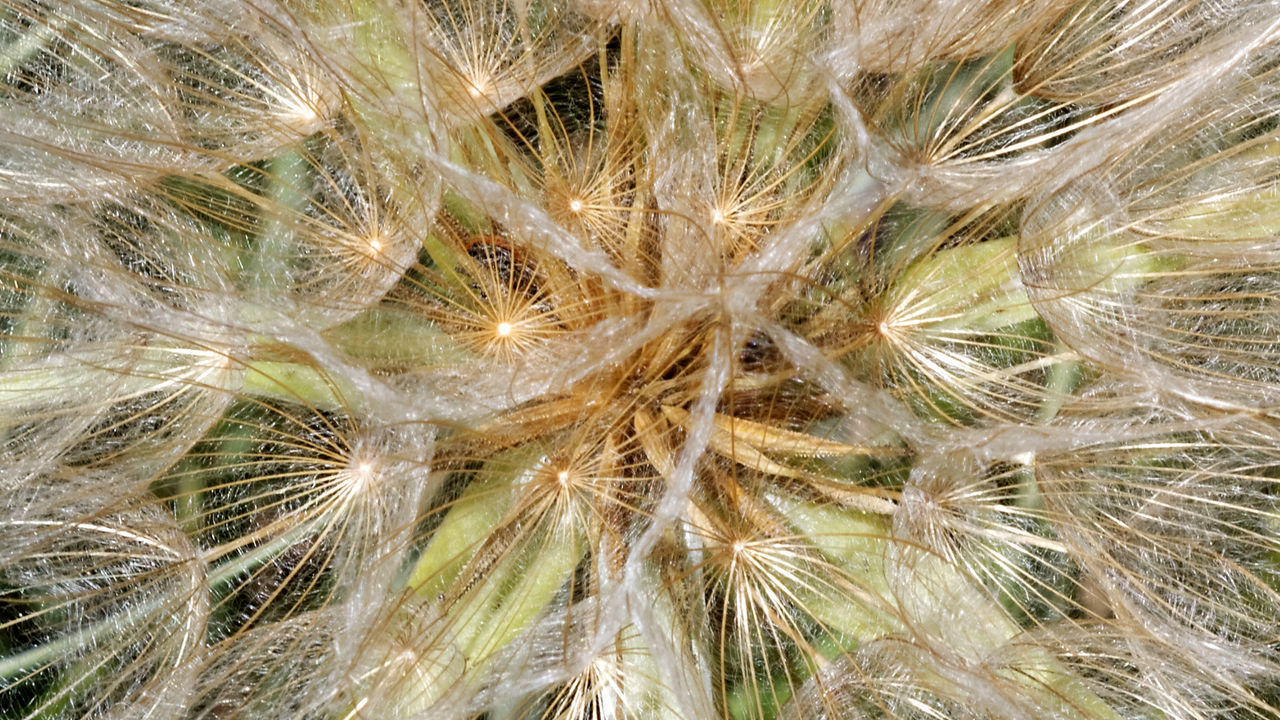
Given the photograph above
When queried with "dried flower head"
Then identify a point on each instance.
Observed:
(553, 359)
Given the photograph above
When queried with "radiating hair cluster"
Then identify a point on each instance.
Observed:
(580, 359)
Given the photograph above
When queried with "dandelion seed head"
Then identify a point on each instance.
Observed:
(478, 85)
(850, 367)
(300, 111)
(359, 477)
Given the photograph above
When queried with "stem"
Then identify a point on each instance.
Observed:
(287, 188)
